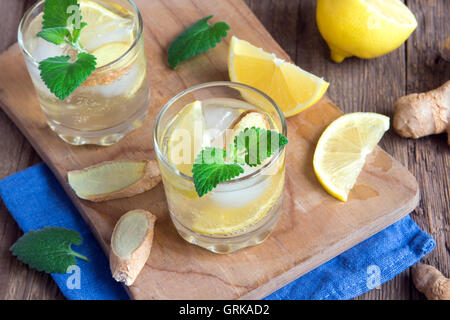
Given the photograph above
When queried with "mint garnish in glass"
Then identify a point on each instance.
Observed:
(62, 25)
(251, 147)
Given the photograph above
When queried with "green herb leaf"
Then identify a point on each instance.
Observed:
(63, 77)
(57, 13)
(258, 144)
(77, 31)
(55, 35)
(210, 169)
(210, 166)
(62, 24)
(196, 39)
(48, 249)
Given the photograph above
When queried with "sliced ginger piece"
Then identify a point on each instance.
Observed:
(248, 119)
(114, 179)
(131, 243)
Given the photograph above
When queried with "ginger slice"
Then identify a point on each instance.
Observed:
(131, 243)
(106, 54)
(105, 78)
(114, 179)
(248, 119)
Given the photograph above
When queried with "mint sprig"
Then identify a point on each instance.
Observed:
(251, 147)
(196, 39)
(48, 249)
(62, 24)
(63, 77)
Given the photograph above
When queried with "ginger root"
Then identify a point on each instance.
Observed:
(431, 282)
(421, 114)
(131, 243)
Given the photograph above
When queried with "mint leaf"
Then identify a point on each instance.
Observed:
(258, 144)
(63, 77)
(57, 13)
(213, 165)
(77, 32)
(210, 169)
(55, 35)
(48, 249)
(196, 39)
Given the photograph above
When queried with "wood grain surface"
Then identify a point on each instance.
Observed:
(420, 65)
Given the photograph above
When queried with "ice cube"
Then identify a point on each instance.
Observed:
(249, 191)
(218, 119)
(41, 49)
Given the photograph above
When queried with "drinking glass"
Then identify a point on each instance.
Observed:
(114, 100)
(240, 212)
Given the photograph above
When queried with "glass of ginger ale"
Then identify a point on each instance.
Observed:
(114, 99)
(237, 213)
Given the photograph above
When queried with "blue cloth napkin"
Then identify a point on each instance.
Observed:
(36, 200)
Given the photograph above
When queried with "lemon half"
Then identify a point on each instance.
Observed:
(363, 28)
(343, 147)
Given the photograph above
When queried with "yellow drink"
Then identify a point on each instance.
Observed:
(114, 99)
(237, 213)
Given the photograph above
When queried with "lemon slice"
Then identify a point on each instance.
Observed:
(342, 149)
(186, 139)
(292, 88)
(104, 12)
(106, 22)
(109, 52)
(363, 28)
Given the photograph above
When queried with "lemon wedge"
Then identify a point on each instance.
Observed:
(342, 149)
(363, 28)
(186, 139)
(292, 88)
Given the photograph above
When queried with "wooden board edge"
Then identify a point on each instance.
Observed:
(347, 243)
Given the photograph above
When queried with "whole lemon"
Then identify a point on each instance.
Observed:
(363, 28)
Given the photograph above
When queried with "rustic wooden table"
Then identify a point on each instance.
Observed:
(356, 85)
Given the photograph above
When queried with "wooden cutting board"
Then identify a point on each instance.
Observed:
(314, 228)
